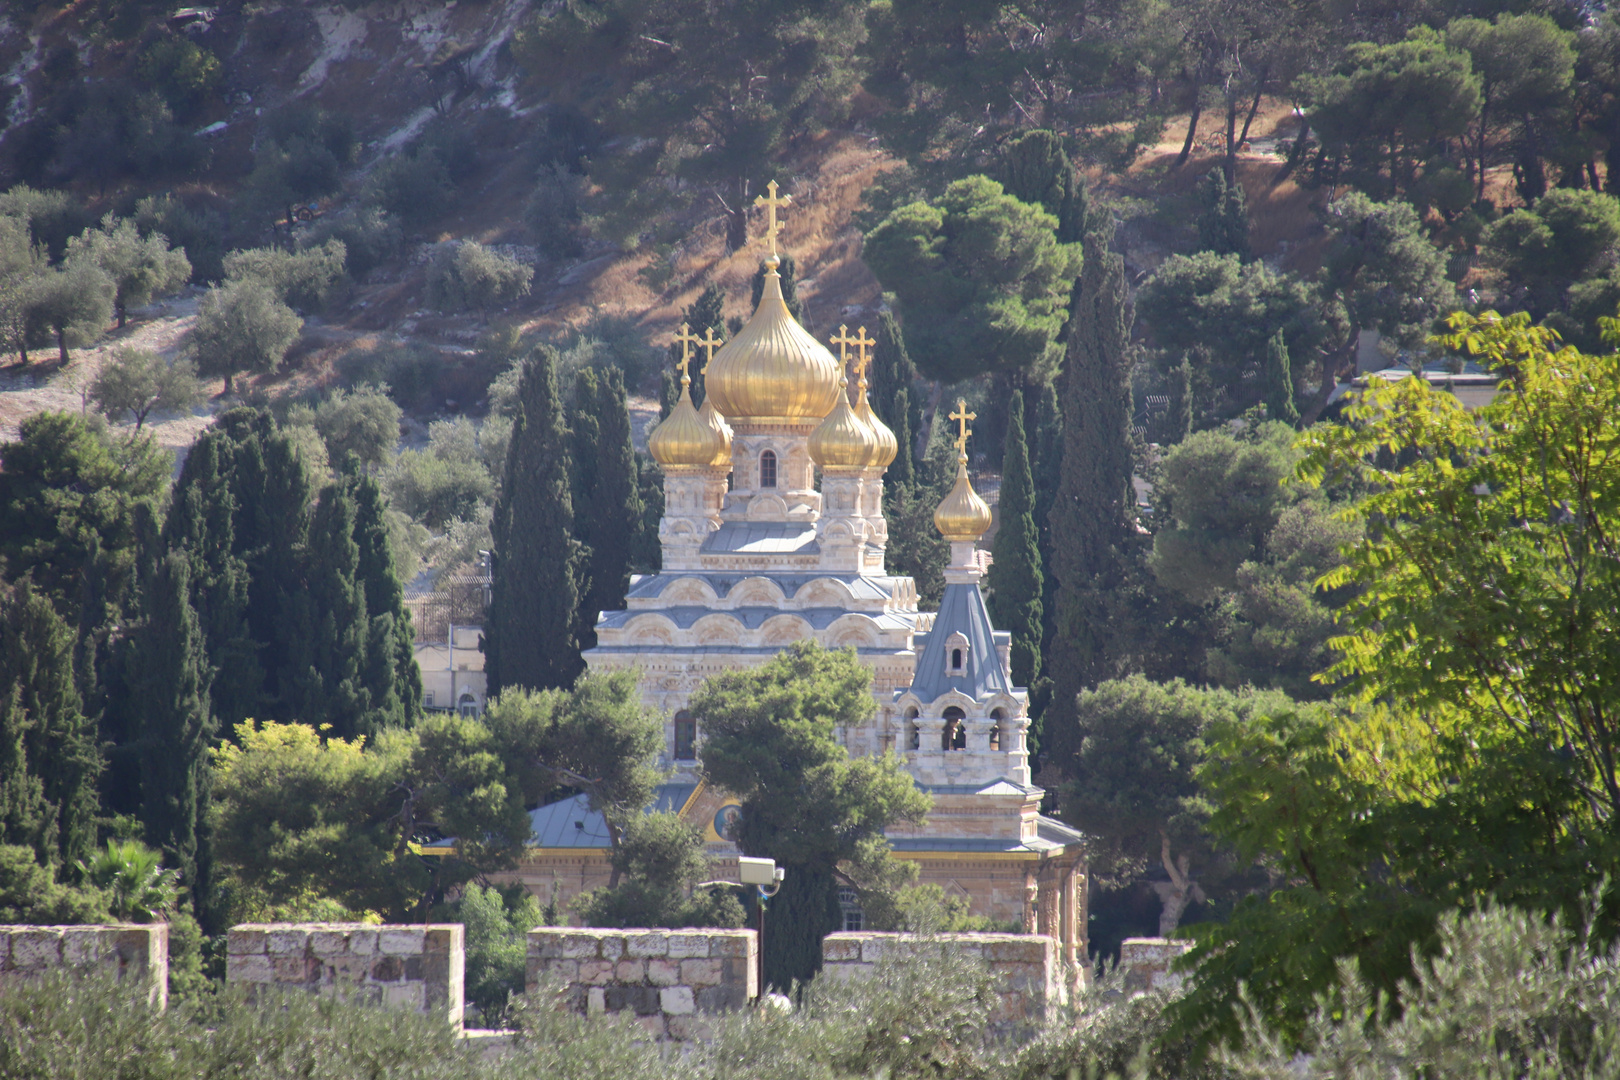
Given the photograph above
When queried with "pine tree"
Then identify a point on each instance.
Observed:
(392, 680)
(59, 743)
(1015, 580)
(788, 270)
(609, 508)
(1093, 517)
(170, 678)
(535, 593)
(322, 681)
(1280, 382)
(1223, 226)
(1179, 418)
(705, 313)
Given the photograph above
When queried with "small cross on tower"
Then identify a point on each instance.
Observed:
(708, 343)
(771, 204)
(843, 341)
(686, 339)
(962, 416)
(862, 357)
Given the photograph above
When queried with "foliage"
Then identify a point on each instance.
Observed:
(363, 423)
(444, 482)
(1565, 237)
(142, 268)
(184, 72)
(307, 280)
(369, 235)
(468, 275)
(770, 738)
(138, 888)
(300, 154)
(661, 859)
(606, 491)
(1381, 269)
(1016, 578)
(29, 893)
(73, 303)
(981, 280)
(138, 381)
(1280, 382)
(242, 326)
(497, 950)
(1223, 223)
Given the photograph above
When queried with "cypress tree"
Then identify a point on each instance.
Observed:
(902, 470)
(60, 745)
(1015, 579)
(1280, 382)
(1074, 215)
(1223, 226)
(1179, 420)
(1093, 517)
(530, 638)
(322, 681)
(705, 313)
(647, 556)
(169, 688)
(276, 506)
(25, 814)
(609, 508)
(893, 373)
(915, 548)
(392, 680)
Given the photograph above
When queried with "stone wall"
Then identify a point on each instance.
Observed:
(420, 968)
(1145, 962)
(126, 950)
(1027, 967)
(668, 978)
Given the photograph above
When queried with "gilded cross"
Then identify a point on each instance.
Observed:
(843, 341)
(686, 339)
(962, 416)
(771, 204)
(862, 357)
(708, 343)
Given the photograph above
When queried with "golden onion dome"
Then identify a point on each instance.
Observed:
(711, 418)
(962, 516)
(885, 447)
(843, 440)
(773, 371)
(684, 439)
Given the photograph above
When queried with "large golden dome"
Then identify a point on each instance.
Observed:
(962, 516)
(684, 438)
(843, 440)
(773, 371)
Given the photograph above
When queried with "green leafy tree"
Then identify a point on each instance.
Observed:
(770, 738)
(25, 814)
(142, 268)
(468, 275)
(301, 153)
(74, 302)
(242, 326)
(497, 947)
(1092, 519)
(183, 71)
(1223, 221)
(1568, 235)
(169, 680)
(660, 859)
(530, 639)
(363, 423)
(445, 482)
(22, 265)
(981, 280)
(307, 280)
(1016, 579)
(137, 381)
(30, 893)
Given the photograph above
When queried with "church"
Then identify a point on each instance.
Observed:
(758, 554)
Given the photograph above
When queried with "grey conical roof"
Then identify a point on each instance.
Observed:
(961, 610)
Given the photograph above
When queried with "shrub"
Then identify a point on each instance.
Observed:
(497, 946)
(553, 214)
(415, 188)
(468, 275)
(410, 372)
(306, 280)
(448, 480)
(364, 423)
(370, 237)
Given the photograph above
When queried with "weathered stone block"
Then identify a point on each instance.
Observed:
(401, 940)
(649, 943)
(596, 972)
(642, 1000)
(630, 971)
(688, 946)
(677, 1000)
(653, 1024)
(405, 996)
(245, 939)
(595, 1001)
(837, 952)
(663, 972)
(87, 945)
(701, 972)
(286, 942)
(328, 942)
(295, 969)
(734, 943)
(36, 948)
(581, 947)
(251, 968)
(442, 939)
(387, 969)
(362, 942)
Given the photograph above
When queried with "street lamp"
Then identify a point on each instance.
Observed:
(767, 877)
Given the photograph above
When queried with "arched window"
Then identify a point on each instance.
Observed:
(468, 705)
(955, 734)
(914, 728)
(956, 659)
(956, 654)
(685, 736)
(999, 717)
(767, 469)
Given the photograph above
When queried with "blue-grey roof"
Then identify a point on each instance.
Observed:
(999, 786)
(762, 537)
(961, 610)
(571, 823)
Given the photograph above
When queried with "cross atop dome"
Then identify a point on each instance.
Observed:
(962, 416)
(686, 339)
(772, 227)
(708, 343)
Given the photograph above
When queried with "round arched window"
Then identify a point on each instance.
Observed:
(767, 469)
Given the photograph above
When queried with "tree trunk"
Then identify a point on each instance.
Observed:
(1479, 151)
(61, 345)
(1177, 893)
(1192, 133)
(22, 350)
(1254, 108)
(227, 382)
(1330, 379)
(736, 229)
(1296, 153)
(1229, 158)
(122, 313)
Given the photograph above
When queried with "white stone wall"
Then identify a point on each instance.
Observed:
(127, 950)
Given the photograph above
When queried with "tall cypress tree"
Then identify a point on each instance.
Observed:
(893, 373)
(59, 742)
(1093, 517)
(25, 814)
(607, 495)
(392, 680)
(321, 683)
(169, 688)
(1223, 226)
(1280, 382)
(902, 470)
(276, 507)
(1015, 578)
(1179, 422)
(530, 640)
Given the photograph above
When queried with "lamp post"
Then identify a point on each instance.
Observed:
(767, 877)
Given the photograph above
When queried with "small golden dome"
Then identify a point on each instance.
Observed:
(711, 418)
(683, 438)
(962, 516)
(773, 371)
(885, 446)
(843, 440)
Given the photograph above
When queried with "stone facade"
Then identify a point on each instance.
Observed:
(126, 950)
(1146, 963)
(668, 978)
(1028, 968)
(420, 968)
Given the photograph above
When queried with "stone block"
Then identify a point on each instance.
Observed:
(837, 948)
(565, 971)
(649, 943)
(596, 972)
(611, 944)
(595, 1001)
(663, 972)
(401, 940)
(38, 947)
(405, 996)
(248, 968)
(653, 1024)
(688, 946)
(387, 969)
(642, 1000)
(1032, 951)
(712, 999)
(677, 1000)
(244, 940)
(82, 946)
(328, 942)
(873, 949)
(686, 1028)
(581, 946)
(286, 942)
(630, 971)
(543, 946)
(733, 943)
(701, 972)
(345, 969)
(294, 970)
(5, 949)
(363, 942)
